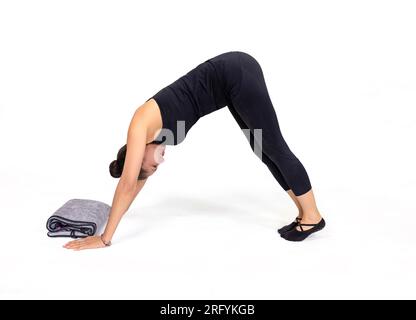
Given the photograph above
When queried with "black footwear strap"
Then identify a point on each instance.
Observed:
(309, 225)
(297, 221)
(300, 225)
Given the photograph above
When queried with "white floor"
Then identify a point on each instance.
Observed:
(213, 243)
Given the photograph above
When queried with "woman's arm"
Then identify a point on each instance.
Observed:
(127, 188)
(121, 203)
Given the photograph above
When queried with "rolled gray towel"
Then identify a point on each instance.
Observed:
(78, 218)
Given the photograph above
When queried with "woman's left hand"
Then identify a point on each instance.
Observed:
(85, 243)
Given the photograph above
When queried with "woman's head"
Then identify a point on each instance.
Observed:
(153, 156)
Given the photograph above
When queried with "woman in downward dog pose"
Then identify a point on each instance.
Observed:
(233, 79)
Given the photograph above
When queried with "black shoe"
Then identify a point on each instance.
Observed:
(296, 235)
(289, 226)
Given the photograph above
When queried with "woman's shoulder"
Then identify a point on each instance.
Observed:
(147, 116)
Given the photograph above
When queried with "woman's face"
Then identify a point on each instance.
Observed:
(153, 156)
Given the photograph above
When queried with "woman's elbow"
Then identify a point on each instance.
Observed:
(126, 186)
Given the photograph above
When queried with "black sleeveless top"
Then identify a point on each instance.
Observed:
(206, 88)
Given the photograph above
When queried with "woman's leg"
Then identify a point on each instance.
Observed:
(254, 146)
(297, 203)
(310, 212)
(266, 160)
(253, 105)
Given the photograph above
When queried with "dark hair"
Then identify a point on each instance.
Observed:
(116, 166)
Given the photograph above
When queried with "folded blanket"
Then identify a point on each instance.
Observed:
(78, 218)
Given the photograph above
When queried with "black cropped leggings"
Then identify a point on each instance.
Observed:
(252, 108)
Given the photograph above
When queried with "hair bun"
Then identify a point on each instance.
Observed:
(116, 166)
(115, 169)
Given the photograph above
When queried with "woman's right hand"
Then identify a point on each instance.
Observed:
(93, 242)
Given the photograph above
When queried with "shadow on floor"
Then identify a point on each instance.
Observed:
(238, 206)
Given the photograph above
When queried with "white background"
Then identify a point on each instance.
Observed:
(342, 77)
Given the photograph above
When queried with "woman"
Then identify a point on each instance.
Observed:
(233, 79)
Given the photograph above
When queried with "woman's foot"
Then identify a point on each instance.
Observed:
(303, 230)
(289, 226)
